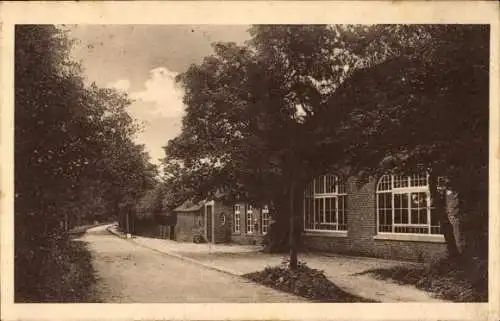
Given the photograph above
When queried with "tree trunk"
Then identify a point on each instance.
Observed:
(292, 235)
(279, 230)
(120, 215)
(442, 213)
(474, 214)
(66, 223)
(127, 218)
(132, 220)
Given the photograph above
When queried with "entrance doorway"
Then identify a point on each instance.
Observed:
(209, 224)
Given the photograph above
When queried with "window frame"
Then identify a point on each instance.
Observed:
(333, 191)
(409, 186)
(237, 219)
(265, 218)
(249, 226)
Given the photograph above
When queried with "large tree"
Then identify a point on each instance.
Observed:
(428, 108)
(72, 142)
(288, 105)
(255, 116)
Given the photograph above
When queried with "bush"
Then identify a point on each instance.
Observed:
(444, 279)
(58, 272)
(199, 239)
(303, 281)
(145, 227)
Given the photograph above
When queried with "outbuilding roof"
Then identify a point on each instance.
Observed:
(189, 206)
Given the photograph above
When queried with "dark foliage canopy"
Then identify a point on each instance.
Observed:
(74, 152)
(298, 101)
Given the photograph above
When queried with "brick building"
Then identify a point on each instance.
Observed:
(189, 221)
(389, 217)
(208, 220)
(219, 221)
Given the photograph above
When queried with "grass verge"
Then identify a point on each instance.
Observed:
(444, 279)
(59, 273)
(304, 281)
(82, 229)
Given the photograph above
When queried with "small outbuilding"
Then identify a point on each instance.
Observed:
(205, 221)
(189, 221)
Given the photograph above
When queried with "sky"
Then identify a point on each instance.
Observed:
(143, 61)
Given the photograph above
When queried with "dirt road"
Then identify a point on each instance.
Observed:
(129, 273)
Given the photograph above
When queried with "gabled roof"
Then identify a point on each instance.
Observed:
(189, 206)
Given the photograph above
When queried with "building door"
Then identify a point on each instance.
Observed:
(209, 209)
(172, 232)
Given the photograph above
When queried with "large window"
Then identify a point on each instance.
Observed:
(404, 205)
(237, 218)
(249, 221)
(324, 205)
(265, 219)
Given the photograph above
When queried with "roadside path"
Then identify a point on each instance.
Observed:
(130, 273)
(342, 270)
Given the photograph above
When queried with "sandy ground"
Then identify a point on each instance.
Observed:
(129, 273)
(342, 270)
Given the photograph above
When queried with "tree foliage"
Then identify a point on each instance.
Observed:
(297, 101)
(74, 151)
(427, 108)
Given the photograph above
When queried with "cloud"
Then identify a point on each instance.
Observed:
(122, 84)
(162, 96)
(158, 106)
(157, 133)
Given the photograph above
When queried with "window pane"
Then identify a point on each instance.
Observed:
(384, 201)
(321, 209)
(400, 181)
(330, 183)
(418, 180)
(319, 185)
(306, 213)
(265, 219)
(385, 212)
(397, 209)
(384, 183)
(249, 220)
(401, 208)
(236, 218)
(418, 208)
(333, 209)
(412, 229)
(318, 210)
(328, 210)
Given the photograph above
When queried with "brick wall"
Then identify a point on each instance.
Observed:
(188, 225)
(362, 227)
(222, 230)
(242, 237)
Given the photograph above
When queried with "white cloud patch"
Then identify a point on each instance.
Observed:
(161, 94)
(158, 106)
(122, 84)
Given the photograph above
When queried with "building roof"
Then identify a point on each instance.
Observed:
(189, 206)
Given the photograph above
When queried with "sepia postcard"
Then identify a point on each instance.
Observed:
(239, 160)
